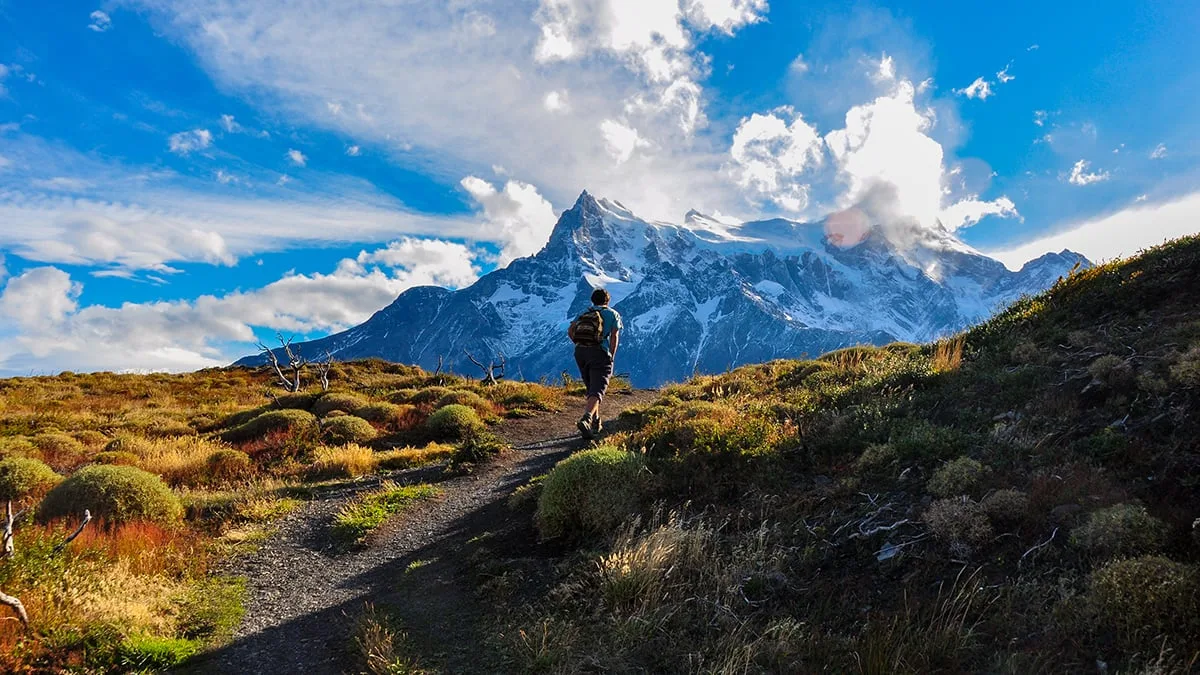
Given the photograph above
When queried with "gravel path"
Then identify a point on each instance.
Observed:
(304, 594)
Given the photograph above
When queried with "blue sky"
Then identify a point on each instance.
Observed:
(180, 178)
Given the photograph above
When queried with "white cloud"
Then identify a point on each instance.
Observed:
(186, 142)
(479, 25)
(225, 178)
(798, 65)
(772, 153)
(971, 210)
(886, 70)
(100, 21)
(1003, 75)
(354, 151)
(517, 216)
(297, 157)
(724, 15)
(1159, 151)
(1032, 48)
(54, 333)
(980, 89)
(230, 125)
(557, 101)
(4, 71)
(621, 140)
(1120, 234)
(1080, 176)
(1039, 117)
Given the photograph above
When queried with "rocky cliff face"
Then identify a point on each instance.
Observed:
(699, 297)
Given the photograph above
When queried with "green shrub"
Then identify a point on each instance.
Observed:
(478, 447)
(454, 422)
(961, 523)
(57, 443)
(91, 438)
(275, 420)
(23, 479)
(115, 457)
(18, 446)
(228, 465)
(428, 395)
(876, 458)
(1186, 370)
(337, 400)
(957, 477)
(1120, 530)
(387, 415)
(1111, 370)
(923, 440)
(1143, 599)
(591, 493)
(1006, 506)
(114, 494)
(348, 429)
(360, 517)
(141, 653)
(402, 395)
(212, 609)
(468, 398)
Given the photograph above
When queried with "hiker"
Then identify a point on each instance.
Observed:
(596, 334)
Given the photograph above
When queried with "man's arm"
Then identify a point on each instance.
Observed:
(616, 339)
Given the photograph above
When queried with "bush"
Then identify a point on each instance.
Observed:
(387, 415)
(91, 438)
(961, 523)
(348, 461)
(406, 458)
(228, 465)
(478, 447)
(1143, 599)
(141, 653)
(115, 457)
(1186, 370)
(1112, 371)
(348, 429)
(56, 443)
(18, 446)
(25, 479)
(590, 493)
(114, 494)
(1120, 530)
(876, 458)
(428, 395)
(957, 477)
(275, 420)
(1006, 506)
(454, 421)
(337, 400)
(402, 395)
(468, 398)
(368, 511)
(922, 440)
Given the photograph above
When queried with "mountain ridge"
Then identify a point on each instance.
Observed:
(699, 299)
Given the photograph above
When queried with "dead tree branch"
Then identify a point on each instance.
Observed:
(290, 380)
(323, 368)
(1039, 546)
(12, 601)
(6, 539)
(87, 518)
(493, 371)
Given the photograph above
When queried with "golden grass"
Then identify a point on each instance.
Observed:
(406, 458)
(948, 354)
(350, 460)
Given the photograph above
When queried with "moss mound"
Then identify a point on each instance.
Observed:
(228, 465)
(1148, 598)
(454, 422)
(115, 457)
(468, 398)
(114, 494)
(590, 493)
(337, 400)
(429, 395)
(275, 420)
(387, 415)
(23, 478)
(1120, 530)
(348, 429)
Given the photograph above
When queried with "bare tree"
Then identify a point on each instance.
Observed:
(289, 374)
(8, 548)
(323, 368)
(493, 371)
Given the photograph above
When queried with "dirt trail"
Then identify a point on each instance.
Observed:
(304, 595)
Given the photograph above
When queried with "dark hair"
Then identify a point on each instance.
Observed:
(600, 297)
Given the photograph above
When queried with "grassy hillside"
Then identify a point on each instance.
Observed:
(183, 471)
(1020, 498)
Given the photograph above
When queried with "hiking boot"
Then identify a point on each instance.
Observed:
(597, 425)
(585, 428)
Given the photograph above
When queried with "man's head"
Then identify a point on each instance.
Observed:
(600, 297)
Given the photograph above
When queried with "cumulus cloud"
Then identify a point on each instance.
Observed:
(621, 140)
(1039, 117)
(54, 332)
(517, 216)
(971, 210)
(100, 21)
(186, 142)
(557, 101)
(980, 89)
(354, 151)
(230, 125)
(1003, 75)
(1116, 235)
(1159, 151)
(298, 158)
(1081, 176)
(771, 153)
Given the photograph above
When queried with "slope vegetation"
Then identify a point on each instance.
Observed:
(1020, 498)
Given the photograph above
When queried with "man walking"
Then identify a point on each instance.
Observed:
(596, 334)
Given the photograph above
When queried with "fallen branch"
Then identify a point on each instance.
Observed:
(87, 518)
(878, 529)
(1041, 545)
(16, 606)
(12, 601)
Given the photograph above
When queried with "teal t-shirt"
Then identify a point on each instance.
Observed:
(612, 321)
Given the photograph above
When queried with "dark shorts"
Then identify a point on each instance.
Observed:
(595, 367)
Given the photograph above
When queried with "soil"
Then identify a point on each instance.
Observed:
(423, 570)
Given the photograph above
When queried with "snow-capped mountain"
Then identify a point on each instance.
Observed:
(698, 297)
